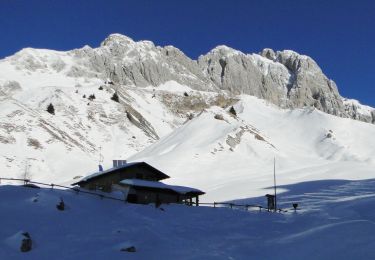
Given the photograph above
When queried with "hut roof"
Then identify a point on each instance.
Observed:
(161, 186)
(95, 175)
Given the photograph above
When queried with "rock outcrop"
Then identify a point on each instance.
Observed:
(142, 64)
(285, 78)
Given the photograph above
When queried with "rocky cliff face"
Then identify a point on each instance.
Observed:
(142, 64)
(284, 78)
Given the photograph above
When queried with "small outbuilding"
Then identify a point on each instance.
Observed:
(140, 183)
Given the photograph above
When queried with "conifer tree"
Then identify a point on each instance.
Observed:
(51, 109)
(233, 111)
(115, 97)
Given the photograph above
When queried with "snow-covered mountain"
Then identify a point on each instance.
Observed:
(179, 110)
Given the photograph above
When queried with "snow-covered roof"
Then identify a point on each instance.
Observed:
(107, 171)
(160, 185)
(127, 165)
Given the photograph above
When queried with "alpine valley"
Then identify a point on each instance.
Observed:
(215, 123)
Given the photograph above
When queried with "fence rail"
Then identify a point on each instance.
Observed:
(65, 188)
(78, 190)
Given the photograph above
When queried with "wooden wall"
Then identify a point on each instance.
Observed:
(105, 182)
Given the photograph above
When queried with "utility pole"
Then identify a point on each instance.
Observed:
(274, 180)
(26, 172)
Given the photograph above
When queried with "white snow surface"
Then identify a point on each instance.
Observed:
(307, 144)
(335, 220)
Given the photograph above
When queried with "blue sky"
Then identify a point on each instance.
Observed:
(339, 35)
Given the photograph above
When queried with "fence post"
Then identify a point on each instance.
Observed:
(52, 185)
(231, 205)
(214, 204)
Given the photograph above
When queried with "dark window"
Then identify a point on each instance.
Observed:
(139, 176)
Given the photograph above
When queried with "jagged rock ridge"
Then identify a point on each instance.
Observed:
(284, 78)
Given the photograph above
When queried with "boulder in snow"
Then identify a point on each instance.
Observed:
(20, 241)
(26, 244)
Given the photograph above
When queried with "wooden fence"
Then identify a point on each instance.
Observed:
(77, 190)
(27, 182)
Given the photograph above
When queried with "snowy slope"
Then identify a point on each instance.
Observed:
(30, 135)
(81, 128)
(336, 221)
(307, 144)
(60, 147)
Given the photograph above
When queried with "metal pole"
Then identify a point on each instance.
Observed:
(274, 179)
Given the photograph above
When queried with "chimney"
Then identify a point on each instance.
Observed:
(123, 162)
(118, 163)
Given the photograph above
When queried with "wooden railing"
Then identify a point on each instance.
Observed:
(77, 190)
(65, 188)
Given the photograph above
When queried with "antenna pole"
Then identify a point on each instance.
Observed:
(100, 159)
(100, 155)
(274, 179)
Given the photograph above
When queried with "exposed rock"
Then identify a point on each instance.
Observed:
(26, 244)
(258, 137)
(61, 205)
(139, 121)
(358, 111)
(219, 117)
(127, 62)
(233, 141)
(190, 116)
(34, 143)
(9, 87)
(285, 78)
(130, 249)
(268, 53)
(249, 74)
